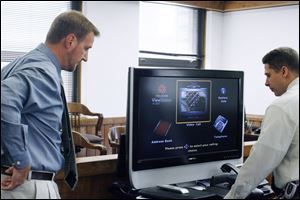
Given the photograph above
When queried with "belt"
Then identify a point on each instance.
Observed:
(33, 174)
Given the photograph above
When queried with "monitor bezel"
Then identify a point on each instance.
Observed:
(160, 169)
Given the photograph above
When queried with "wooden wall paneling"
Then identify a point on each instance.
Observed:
(209, 5)
(95, 175)
(227, 6)
(245, 5)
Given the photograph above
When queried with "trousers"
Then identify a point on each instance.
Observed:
(32, 189)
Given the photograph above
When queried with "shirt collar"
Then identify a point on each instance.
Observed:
(44, 49)
(294, 83)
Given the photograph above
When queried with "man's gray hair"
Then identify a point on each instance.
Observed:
(70, 22)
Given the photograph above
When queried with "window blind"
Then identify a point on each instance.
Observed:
(24, 25)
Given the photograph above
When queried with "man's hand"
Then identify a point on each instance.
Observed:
(18, 176)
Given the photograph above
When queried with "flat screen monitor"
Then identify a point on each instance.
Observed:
(182, 124)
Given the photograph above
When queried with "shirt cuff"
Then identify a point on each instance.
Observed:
(14, 140)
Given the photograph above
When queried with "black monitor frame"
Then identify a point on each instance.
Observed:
(135, 74)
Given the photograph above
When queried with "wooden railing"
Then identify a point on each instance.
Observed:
(256, 120)
(88, 125)
(108, 123)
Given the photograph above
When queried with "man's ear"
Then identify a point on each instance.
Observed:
(70, 40)
(285, 71)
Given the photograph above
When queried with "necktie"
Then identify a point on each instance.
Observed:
(70, 168)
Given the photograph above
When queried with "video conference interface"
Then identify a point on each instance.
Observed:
(182, 117)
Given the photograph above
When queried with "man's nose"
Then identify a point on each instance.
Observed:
(267, 83)
(85, 57)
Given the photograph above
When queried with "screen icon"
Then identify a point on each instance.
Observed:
(220, 123)
(162, 128)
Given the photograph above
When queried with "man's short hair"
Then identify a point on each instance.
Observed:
(70, 22)
(282, 56)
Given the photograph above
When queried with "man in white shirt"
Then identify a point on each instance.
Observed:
(277, 149)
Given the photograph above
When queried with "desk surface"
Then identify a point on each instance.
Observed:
(215, 192)
(97, 173)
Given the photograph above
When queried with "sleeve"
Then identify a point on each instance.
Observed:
(266, 154)
(13, 132)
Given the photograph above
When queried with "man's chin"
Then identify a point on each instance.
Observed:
(69, 68)
(277, 94)
(73, 69)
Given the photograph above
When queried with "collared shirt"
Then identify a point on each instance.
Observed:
(31, 111)
(277, 149)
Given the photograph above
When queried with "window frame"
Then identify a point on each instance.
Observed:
(180, 63)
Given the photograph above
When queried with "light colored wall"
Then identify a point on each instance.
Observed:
(234, 41)
(104, 76)
(238, 41)
(213, 41)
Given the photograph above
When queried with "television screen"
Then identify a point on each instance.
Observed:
(183, 124)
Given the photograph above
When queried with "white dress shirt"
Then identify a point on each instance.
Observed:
(277, 149)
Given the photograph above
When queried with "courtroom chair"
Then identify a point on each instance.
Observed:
(114, 135)
(81, 118)
(81, 141)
